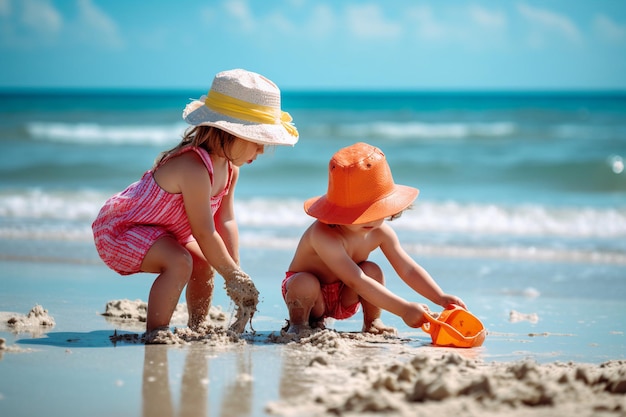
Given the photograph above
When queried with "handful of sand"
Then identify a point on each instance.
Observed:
(240, 288)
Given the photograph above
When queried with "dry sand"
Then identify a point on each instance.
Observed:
(349, 374)
(446, 381)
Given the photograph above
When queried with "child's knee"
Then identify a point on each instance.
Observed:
(302, 286)
(372, 270)
(181, 263)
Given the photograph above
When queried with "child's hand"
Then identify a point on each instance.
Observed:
(447, 300)
(414, 315)
(241, 289)
(244, 294)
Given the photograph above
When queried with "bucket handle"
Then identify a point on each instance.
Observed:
(429, 327)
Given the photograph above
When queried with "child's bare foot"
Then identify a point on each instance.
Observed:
(159, 336)
(318, 325)
(298, 328)
(378, 327)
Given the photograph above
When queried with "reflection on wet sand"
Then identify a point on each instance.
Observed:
(295, 383)
(157, 399)
(194, 395)
(237, 399)
(194, 387)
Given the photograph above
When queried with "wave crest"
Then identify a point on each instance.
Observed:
(98, 134)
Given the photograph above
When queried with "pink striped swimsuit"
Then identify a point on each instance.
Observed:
(131, 221)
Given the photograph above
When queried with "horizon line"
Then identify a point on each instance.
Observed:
(33, 90)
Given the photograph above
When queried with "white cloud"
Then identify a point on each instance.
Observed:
(367, 21)
(473, 26)
(322, 22)
(546, 23)
(317, 22)
(95, 26)
(426, 25)
(487, 18)
(40, 16)
(29, 23)
(277, 22)
(34, 23)
(608, 29)
(240, 10)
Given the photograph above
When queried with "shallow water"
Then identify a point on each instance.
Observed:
(74, 369)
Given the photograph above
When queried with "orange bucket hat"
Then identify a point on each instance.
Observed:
(455, 327)
(360, 188)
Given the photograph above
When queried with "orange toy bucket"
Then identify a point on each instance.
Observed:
(455, 327)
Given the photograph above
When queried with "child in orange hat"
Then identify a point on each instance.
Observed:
(330, 274)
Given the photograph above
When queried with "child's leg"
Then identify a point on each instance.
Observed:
(304, 301)
(371, 313)
(173, 263)
(199, 288)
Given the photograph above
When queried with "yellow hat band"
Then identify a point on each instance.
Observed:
(243, 110)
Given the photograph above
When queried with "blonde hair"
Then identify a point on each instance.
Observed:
(210, 138)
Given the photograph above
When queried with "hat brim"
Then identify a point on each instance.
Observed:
(197, 114)
(326, 212)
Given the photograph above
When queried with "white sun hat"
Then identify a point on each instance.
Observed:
(246, 105)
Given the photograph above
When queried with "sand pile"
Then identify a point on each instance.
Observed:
(516, 316)
(446, 383)
(332, 342)
(206, 334)
(136, 311)
(36, 317)
(132, 314)
(36, 322)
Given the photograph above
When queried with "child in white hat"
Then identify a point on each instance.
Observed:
(178, 219)
(330, 274)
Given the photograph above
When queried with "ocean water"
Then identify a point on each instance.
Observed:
(522, 209)
(530, 176)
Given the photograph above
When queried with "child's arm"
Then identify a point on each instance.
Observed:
(333, 254)
(411, 272)
(195, 185)
(225, 222)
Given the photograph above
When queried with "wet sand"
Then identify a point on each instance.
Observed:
(79, 352)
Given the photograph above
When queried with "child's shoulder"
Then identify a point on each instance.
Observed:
(321, 231)
(184, 165)
(185, 158)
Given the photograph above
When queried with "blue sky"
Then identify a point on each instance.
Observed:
(321, 44)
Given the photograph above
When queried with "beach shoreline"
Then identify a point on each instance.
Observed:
(323, 373)
(562, 346)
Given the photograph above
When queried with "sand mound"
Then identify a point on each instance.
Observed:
(516, 316)
(448, 383)
(37, 316)
(136, 311)
(128, 314)
(36, 322)
(206, 334)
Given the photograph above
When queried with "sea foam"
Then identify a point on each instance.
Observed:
(18, 209)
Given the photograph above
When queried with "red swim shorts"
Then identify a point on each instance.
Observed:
(331, 294)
